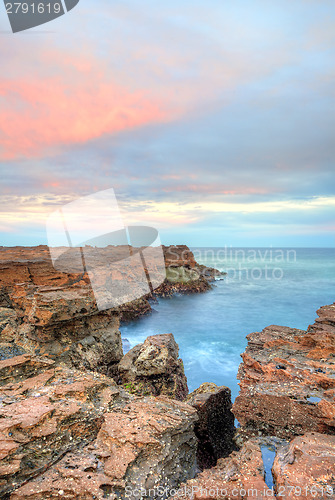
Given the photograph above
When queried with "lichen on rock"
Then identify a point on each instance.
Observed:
(154, 368)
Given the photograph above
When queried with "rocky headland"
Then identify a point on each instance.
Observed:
(55, 314)
(79, 419)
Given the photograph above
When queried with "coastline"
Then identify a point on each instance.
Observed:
(68, 392)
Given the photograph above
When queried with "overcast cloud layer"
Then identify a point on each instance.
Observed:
(212, 120)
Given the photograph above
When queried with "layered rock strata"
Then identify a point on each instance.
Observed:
(82, 435)
(54, 313)
(287, 380)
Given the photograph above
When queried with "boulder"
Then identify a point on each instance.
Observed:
(215, 428)
(154, 368)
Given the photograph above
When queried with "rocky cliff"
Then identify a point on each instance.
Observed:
(47, 312)
(79, 420)
(287, 391)
(287, 380)
(66, 428)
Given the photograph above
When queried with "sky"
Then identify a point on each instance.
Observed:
(212, 120)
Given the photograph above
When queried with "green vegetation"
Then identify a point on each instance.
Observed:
(181, 274)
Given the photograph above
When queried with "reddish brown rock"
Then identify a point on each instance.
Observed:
(179, 259)
(287, 380)
(18, 368)
(215, 428)
(87, 342)
(184, 274)
(45, 411)
(154, 368)
(178, 255)
(240, 476)
(305, 468)
(147, 443)
(54, 313)
(49, 410)
(30, 266)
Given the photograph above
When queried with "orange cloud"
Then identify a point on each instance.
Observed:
(77, 105)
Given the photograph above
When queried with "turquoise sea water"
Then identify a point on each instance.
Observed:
(263, 287)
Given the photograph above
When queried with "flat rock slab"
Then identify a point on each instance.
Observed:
(44, 412)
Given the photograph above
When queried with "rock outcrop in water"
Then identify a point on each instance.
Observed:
(287, 380)
(154, 368)
(184, 274)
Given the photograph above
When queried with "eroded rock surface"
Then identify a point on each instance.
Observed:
(215, 428)
(143, 444)
(45, 410)
(154, 368)
(305, 468)
(240, 476)
(287, 380)
(54, 313)
(65, 429)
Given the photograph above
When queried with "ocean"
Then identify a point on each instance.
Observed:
(264, 286)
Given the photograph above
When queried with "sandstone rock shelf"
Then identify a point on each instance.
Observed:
(84, 436)
(79, 420)
(44, 311)
(287, 380)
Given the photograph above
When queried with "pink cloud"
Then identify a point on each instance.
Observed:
(71, 103)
